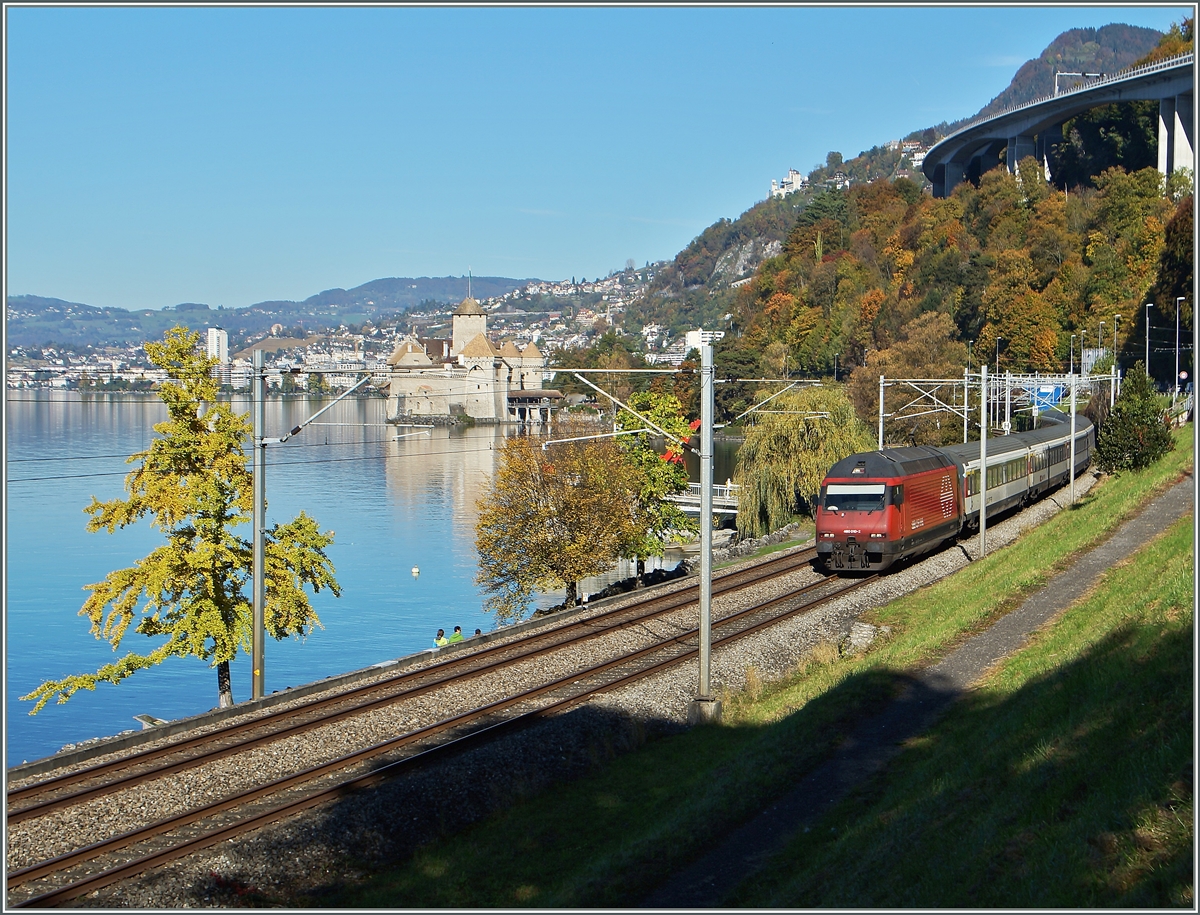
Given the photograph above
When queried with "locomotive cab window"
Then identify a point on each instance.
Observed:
(854, 497)
(898, 495)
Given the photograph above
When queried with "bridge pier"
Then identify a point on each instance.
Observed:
(1175, 146)
(1048, 142)
(1019, 147)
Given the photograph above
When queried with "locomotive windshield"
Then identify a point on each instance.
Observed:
(854, 497)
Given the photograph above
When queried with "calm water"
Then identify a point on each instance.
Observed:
(393, 504)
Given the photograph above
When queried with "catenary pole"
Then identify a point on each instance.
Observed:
(1072, 439)
(260, 486)
(880, 412)
(1149, 305)
(966, 402)
(983, 431)
(704, 707)
(1175, 389)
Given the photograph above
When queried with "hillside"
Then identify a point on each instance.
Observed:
(34, 320)
(695, 291)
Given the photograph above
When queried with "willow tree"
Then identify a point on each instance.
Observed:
(194, 485)
(553, 516)
(660, 475)
(788, 451)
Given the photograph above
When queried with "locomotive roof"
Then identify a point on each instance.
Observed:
(890, 462)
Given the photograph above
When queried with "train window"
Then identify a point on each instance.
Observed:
(854, 497)
(973, 482)
(898, 495)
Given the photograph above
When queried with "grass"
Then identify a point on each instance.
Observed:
(1063, 773)
(1067, 773)
(805, 532)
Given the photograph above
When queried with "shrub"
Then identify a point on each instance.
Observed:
(1136, 433)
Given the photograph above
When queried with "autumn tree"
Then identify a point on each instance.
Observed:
(660, 475)
(553, 516)
(788, 451)
(927, 349)
(194, 485)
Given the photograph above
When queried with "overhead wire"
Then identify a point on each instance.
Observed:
(283, 463)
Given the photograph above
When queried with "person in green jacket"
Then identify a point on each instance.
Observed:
(440, 639)
(457, 636)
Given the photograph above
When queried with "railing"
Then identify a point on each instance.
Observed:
(1101, 81)
(725, 497)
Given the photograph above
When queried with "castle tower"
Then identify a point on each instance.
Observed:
(468, 322)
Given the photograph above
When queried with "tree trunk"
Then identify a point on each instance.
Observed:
(224, 687)
(571, 592)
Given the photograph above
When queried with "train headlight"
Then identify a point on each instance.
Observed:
(828, 535)
(878, 536)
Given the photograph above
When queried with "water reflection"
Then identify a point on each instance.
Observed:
(393, 504)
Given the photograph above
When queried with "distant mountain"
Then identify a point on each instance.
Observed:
(35, 320)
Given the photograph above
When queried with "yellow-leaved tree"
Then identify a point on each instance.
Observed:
(553, 516)
(194, 484)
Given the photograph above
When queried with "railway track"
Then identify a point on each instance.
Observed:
(81, 870)
(41, 797)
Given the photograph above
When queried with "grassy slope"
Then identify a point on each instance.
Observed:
(608, 839)
(1067, 774)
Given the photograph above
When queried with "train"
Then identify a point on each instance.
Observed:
(879, 508)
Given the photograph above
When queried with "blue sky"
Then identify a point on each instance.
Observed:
(232, 155)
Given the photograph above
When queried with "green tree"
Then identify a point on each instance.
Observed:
(661, 475)
(317, 383)
(554, 516)
(786, 455)
(1136, 433)
(194, 484)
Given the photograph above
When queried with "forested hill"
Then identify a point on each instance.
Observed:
(34, 320)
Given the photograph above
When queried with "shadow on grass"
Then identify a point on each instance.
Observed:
(1075, 790)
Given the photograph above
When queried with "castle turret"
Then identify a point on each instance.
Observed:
(468, 322)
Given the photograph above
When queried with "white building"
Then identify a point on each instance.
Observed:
(789, 185)
(694, 338)
(218, 345)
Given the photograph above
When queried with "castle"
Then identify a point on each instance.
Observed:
(468, 376)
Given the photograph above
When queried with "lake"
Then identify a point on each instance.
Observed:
(394, 504)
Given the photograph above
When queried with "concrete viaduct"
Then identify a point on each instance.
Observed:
(1035, 128)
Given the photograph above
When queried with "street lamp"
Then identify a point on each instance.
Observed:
(998, 339)
(970, 343)
(835, 359)
(1116, 324)
(1178, 308)
(1149, 305)
(1100, 337)
(1073, 336)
